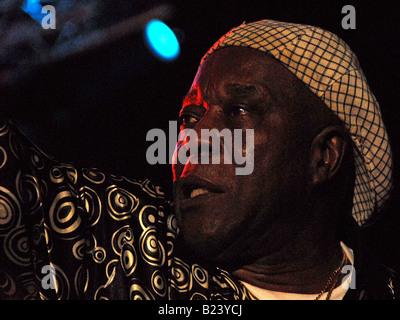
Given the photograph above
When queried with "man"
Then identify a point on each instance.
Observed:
(288, 230)
(279, 228)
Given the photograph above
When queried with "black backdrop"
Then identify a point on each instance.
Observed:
(95, 109)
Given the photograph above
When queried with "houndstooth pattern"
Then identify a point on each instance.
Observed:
(328, 66)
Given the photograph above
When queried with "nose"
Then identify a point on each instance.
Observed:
(201, 144)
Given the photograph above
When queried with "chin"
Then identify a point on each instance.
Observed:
(207, 242)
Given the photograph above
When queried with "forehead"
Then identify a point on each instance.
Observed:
(235, 61)
(240, 70)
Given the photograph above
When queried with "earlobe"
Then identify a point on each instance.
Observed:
(327, 151)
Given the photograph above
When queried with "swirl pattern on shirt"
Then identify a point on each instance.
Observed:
(107, 237)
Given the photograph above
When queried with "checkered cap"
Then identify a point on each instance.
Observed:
(327, 65)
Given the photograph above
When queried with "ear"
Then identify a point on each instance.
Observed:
(327, 151)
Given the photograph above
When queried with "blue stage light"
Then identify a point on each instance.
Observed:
(34, 9)
(162, 40)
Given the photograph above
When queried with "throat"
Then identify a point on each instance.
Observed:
(307, 276)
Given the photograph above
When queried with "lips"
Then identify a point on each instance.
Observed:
(195, 188)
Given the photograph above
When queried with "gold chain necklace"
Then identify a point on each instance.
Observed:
(333, 279)
(331, 284)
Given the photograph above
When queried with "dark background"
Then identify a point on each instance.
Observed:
(95, 108)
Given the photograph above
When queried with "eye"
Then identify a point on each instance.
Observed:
(238, 110)
(188, 120)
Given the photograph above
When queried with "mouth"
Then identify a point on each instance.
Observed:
(196, 188)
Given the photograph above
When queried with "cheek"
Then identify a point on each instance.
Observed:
(270, 151)
(278, 147)
(279, 167)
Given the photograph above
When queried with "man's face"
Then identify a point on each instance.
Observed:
(230, 218)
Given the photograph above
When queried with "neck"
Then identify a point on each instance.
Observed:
(307, 275)
(305, 264)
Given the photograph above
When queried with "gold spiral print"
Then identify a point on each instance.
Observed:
(43, 188)
(120, 203)
(128, 259)
(89, 245)
(198, 296)
(81, 280)
(16, 246)
(138, 292)
(151, 250)
(63, 215)
(99, 254)
(158, 283)
(10, 211)
(4, 127)
(110, 273)
(71, 173)
(7, 284)
(120, 237)
(48, 239)
(56, 175)
(28, 191)
(98, 294)
(151, 190)
(172, 224)
(148, 217)
(3, 157)
(170, 244)
(181, 279)
(36, 159)
(227, 280)
(93, 175)
(92, 204)
(37, 233)
(116, 178)
(28, 282)
(200, 275)
(110, 270)
(79, 249)
(15, 145)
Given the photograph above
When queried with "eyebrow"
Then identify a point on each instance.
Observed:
(234, 89)
(242, 90)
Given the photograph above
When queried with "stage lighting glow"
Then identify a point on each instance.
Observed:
(162, 40)
(34, 9)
